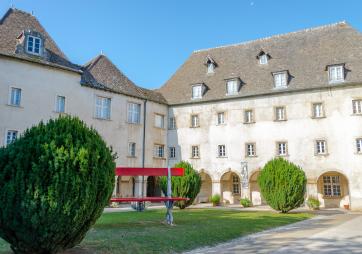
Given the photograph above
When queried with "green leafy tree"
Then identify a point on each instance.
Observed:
(55, 181)
(187, 186)
(282, 184)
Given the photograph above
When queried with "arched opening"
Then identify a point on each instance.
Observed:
(153, 187)
(255, 194)
(230, 188)
(206, 188)
(125, 186)
(333, 190)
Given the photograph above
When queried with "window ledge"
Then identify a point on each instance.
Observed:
(194, 127)
(283, 156)
(102, 119)
(336, 82)
(232, 94)
(316, 118)
(284, 120)
(160, 128)
(249, 122)
(321, 154)
(159, 158)
(248, 156)
(222, 157)
(356, 114)
(14, 106)
(332, 197)
(194, 158)
(220, 124)
(135, 124)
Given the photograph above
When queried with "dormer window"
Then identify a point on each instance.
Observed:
(280, 79)
(232, 86)
(336, 73)
(211, 65)
(33, 45)
(263, 59)
(197, 91)
(210, 68)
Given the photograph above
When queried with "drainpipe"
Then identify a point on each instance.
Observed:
(144, 142)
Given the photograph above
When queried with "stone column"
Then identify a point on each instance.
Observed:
(216, 187)
(115, 187)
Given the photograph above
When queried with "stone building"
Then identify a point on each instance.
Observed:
(227, 110)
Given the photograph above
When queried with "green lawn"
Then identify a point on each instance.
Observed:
(134, 232)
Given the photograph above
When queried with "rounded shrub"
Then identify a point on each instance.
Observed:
(55, 181)
(187, 186)
(215, 199)
(282, 184)
(313, 203)
(245, 202)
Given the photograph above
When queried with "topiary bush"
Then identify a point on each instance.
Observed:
(55, 181)
(313, 203)
(187, 186)
(215, 199)
(245, 202)
(282, 184)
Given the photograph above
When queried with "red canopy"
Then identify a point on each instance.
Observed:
(123, 171)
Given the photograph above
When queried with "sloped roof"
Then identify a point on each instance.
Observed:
(101, 73)
(305, 54)
(13, 24)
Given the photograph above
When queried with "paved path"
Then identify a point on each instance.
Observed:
(337, 233)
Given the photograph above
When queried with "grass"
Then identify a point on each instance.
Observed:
(134, 232)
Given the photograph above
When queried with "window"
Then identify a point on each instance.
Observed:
(33, 45)
(134, 113)
(172, 152)
(280, 114)
(210, 68)
(250, 150)
(280, 79)
(236, 184)
(318, 111)
(197, 92)
(172, 123)
(159, 151)
(357, 106)
(195, 152)
(321, 147)
(331, 186)
(248, 116)
(60, 106)
(132, 149)
(103, 107)
(221, 150)
(11, 136)
(159, 121)
(232, 87)
(359, 145)
(263, 59)
(220, 118)
(282, 149)
(336, 73)
(15, 96)
(195, 121)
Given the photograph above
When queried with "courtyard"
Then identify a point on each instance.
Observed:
(133, 232)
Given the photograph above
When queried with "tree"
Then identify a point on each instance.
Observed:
(282, 184)
(55, 181)
(187, 186)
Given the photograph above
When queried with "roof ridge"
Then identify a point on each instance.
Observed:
(343, 22)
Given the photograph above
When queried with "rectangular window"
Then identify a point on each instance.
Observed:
(159, 121)
(33, 45)
(318, 111)
(336, 73)
(263, 59)
(134, 113)
(359, 145)
(172, 152)
(280, 114)
(210, 68)
(321, 147)
(331, 186)
(280, 80)
(232, 87)
(282, 148)
(172, 123)
(220, 118)
(195, 152)
(103, 107)
(11, 136)
(236, 184)
(221, 151)
(250, 150)
(159, 151)
(60, 106)
(197, 92)
(15, 96)
(195, 121)
(248, 116)
(132, 149)
(357, 106)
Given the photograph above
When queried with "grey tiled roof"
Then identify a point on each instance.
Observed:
(13, 24)
(304, 54)
(101, 73)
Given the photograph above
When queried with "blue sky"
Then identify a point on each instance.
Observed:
(149, 39)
